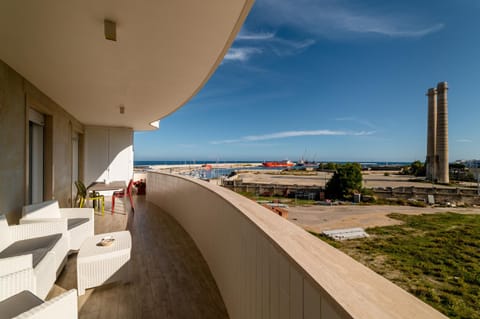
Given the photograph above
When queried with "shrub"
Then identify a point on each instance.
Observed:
(345, 182)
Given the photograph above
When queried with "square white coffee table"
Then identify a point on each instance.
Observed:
(98, 265)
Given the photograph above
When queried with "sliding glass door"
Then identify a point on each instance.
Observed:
(36, 157)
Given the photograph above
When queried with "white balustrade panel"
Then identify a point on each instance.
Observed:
(267, 267)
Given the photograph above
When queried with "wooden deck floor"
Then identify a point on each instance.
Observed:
(168, 277)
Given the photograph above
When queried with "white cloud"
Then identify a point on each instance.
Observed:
(324, 18)
(241, 54)
(393, 32)
(286, 134)
(264, 43)
(284, 47)
(245, 35)
(333, 18)
(363, 133)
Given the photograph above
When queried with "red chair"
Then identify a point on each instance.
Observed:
(121, 194)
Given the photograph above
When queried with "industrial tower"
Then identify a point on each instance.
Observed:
(437, 134)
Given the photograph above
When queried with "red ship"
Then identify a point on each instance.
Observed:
(278, 164)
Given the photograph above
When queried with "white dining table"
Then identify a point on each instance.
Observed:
(102, 186)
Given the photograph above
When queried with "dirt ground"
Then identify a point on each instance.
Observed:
(370, 179)
(319, 218)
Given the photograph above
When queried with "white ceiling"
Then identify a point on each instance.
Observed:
(165, 52)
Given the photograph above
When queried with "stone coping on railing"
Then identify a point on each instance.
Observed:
(350, 288)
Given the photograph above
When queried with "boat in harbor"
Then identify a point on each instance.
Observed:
(285, 163)
(308, 165)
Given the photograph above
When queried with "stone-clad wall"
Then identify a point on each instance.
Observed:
(16, 96)
(441, 195)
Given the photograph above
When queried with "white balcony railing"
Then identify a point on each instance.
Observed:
(267, 267)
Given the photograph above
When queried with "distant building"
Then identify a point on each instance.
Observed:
(437, 134)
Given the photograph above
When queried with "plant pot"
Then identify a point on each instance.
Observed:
(141, 189)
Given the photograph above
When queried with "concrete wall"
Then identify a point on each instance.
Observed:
(16, 96)
(267, 267)
(12, 137)
(259, 189)
(458, 196)
(108, 154)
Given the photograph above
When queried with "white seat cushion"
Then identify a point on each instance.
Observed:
(38, 247)
(18, 304)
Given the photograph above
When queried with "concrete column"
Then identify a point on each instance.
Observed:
(431, 133)
(442, 133)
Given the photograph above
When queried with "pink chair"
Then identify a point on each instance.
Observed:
(121, 194)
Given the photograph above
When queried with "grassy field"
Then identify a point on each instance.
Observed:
(435, 257)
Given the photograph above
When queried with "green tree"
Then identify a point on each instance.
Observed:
(327, 166)
(345, 181)
(417, 168)
(457, 166)
(330, 166)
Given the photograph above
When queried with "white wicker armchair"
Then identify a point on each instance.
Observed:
(80, 221)
(24, 263)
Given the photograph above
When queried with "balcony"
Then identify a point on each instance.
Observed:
(168, 278)
(263, 265)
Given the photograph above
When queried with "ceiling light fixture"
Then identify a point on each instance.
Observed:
(110, 28)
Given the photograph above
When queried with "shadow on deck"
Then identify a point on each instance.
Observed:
(168, 277)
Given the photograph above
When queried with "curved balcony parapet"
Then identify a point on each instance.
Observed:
(267, 267)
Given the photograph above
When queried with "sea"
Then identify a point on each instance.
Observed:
(190, 162)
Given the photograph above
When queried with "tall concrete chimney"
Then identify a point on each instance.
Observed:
(431, 134)
(442, 134)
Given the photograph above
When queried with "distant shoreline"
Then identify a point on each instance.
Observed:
(185, 168)
(199, 163)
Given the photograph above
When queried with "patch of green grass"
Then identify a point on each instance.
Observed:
(436, 257)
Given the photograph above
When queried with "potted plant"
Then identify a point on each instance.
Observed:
(140, 185)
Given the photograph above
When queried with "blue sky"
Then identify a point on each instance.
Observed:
(332, 80)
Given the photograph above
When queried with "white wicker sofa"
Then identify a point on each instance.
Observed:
(31, 255)
(80, 221)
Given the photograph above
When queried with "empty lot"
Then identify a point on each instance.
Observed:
(320, 218)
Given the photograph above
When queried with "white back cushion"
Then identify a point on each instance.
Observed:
(5, 238)
(48, 209)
